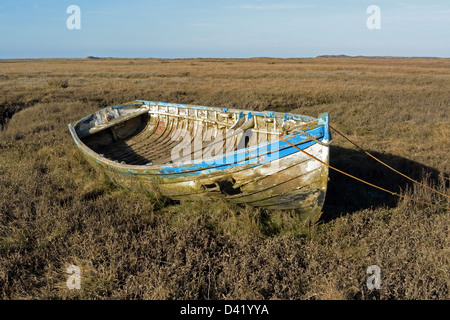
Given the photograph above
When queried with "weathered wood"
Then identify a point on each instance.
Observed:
(252, 165)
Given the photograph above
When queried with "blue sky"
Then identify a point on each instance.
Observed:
(226, 28)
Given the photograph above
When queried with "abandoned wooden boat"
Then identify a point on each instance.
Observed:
(196, 152)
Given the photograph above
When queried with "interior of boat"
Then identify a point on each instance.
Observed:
(162, 138)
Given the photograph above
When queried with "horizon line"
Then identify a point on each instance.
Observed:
(240, 58)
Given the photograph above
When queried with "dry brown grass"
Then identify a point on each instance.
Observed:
(55, 210)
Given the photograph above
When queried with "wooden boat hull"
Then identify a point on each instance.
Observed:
(195, 152)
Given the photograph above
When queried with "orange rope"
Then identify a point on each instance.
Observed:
(396, 171)
(363, 181)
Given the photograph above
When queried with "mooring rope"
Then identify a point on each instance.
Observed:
(295, 129)
(361, 180)
(386, 165)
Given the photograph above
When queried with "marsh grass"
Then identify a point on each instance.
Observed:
(56, 210)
